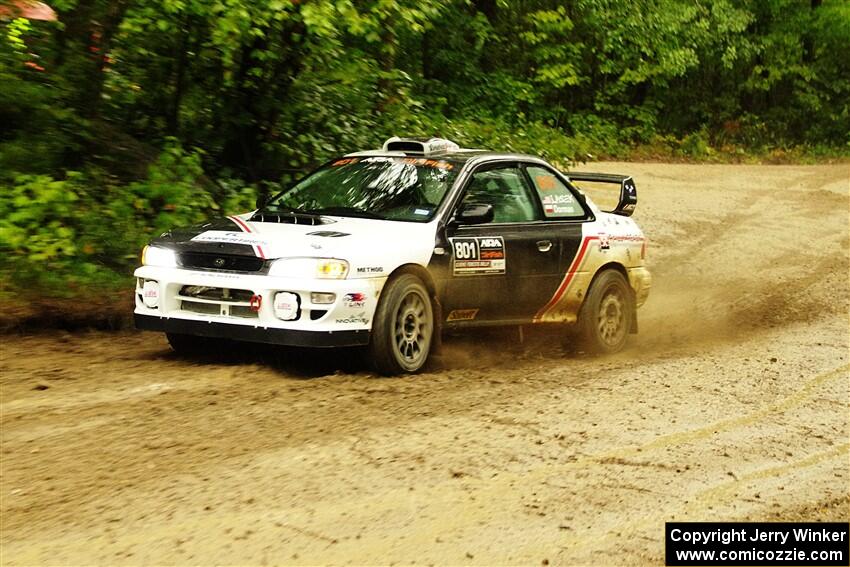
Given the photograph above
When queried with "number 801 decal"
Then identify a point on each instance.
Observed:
(479, 255)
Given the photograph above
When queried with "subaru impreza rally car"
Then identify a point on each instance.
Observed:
(387, 248)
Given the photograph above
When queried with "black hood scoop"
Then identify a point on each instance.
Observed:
(287, 218)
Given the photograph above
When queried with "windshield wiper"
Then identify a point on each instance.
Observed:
(347, 212)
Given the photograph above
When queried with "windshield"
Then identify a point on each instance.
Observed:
(394, 188)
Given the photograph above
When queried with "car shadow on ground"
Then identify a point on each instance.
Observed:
(492, 347)
(292, 362)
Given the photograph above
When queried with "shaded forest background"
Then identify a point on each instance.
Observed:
(124, 118)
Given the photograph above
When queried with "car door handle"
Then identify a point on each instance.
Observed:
(544, 245)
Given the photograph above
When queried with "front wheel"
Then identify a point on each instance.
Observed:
(403, 327)
(606, 315)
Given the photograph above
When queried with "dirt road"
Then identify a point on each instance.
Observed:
(731, 404)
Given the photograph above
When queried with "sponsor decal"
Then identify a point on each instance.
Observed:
(462, 315)
(558, 199)
(286, 305)
(627, 238)
(604, 241)
(344, 161)
(545, 182)
(215, 275)
(422, 212)
(358, 319)
(150, 294)
(438, 164)
(231, 238)
(563, 210)
(478, 255)
(563, 204)
(354, 299)
(370, 270)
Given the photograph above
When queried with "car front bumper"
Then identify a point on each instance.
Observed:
(345, 321)
(252, 334)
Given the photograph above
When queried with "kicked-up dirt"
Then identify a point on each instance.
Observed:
(731, 404)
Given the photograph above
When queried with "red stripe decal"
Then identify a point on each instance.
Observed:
(571, 272)
(258, 250)
(241, 224)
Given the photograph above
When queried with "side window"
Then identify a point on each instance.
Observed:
(506, 190)
(558, 201)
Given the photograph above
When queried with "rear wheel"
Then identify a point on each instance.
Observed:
(606, 314)
(403, 328)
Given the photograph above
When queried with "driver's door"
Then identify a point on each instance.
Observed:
(503, 270)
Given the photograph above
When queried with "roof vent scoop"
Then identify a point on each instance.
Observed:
(420, 146)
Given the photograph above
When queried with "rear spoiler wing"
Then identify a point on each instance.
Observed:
(628, 190)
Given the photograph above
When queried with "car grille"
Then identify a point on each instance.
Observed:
(220, 301)
(228, 262)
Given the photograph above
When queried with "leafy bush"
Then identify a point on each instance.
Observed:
(67, 236)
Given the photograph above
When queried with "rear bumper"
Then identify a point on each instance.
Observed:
(250, 333)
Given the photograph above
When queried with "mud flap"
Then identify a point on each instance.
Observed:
(437, 337)
(634, 328)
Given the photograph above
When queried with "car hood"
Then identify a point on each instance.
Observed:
(335, 237)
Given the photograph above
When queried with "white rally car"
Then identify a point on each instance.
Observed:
(385, 249)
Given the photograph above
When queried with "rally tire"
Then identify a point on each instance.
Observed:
(607, 314)
(403, 328)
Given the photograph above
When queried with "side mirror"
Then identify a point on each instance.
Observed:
(474, 213)
(262, 200)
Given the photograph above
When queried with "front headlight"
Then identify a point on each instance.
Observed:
(160, 257)
(308, 268)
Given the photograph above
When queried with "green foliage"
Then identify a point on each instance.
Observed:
(125, 118)
(67, 235)
(43, 233)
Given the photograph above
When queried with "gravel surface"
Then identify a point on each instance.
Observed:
(731, 404)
